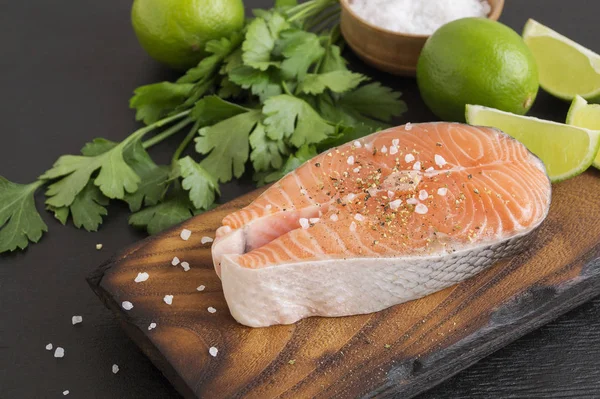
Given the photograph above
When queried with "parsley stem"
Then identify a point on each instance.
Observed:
(322, 18)
(185, 142)
(167, 133)
(285, 88)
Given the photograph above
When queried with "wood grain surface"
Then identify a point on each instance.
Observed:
(400, 351)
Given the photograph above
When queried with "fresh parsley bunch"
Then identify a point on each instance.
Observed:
(268, 98)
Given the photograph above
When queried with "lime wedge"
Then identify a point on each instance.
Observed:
(565, 67)
(565, 150)
(587, 116)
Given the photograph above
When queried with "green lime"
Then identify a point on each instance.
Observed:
(566, 68)
(565, 150)
(587, 116)
(476, 61)
(175, 32)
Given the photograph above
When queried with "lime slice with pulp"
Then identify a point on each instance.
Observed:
(565, 68)
(587, 116)
(565, 150)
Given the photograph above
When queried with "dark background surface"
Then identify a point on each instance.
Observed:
(67, 69)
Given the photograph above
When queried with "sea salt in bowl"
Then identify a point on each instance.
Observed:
(386, 49)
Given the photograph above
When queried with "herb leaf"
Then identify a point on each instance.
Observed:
(226, 144)
(373, 101)
(155, 101)
(301, 49)
(20, 221)
(154, 178)
(201, 185)
(88, 208)
(336, 81)
(294, 119)
(260, 40)
(266, 153)
(305, 153)
(176, 208)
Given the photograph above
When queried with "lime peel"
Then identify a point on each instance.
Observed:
(587, 116)
(562, 72)
(566, 150)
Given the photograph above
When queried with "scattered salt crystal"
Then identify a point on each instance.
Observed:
(423, 195)
(412, 201)
(417, 17)
(185, 234)
(393, 150)
(115, 369)
(303, 191)
(356, 170)
(168, 299)
(49, 347)
(357, 144)
(213, 351)
(206, 239)
(384, 149)
(429, 169)
(350, 197)
(359, 217)
(409, 158)
(439, 160)
(421, 209)
(369, 146)
(76, 319)
(99, 246)
(350, 160)
(391, 194)
(442, 191)
(200, 288)
(65, 392)
(353, 227)
(143, 276)
(186, 266)
(59, 352)
(334, 217)
(395, 142)
(417, 165)
(313, 220)
(268, 206)
(304, 223)
(395, 204)
(372, 191)
(127, 305)
(151, 326)
(212, 310)
(175, 261)
(408, 126)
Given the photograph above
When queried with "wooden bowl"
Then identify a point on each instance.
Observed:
(389, 51)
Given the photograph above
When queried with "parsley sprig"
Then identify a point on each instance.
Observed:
(264, 101)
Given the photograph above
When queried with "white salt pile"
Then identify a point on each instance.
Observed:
(417, 17)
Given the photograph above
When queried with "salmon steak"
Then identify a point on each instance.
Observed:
(383, 220)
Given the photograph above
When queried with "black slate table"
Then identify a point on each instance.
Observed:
(67, 69)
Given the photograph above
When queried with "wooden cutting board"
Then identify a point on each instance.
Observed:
(397, 352)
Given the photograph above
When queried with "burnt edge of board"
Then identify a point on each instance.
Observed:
(425, 372)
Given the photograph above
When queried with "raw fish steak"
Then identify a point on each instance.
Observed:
(386, 219)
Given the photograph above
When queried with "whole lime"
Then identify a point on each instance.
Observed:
(476, 61)
(175, 32)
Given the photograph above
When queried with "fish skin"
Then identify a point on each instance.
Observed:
(267, 280)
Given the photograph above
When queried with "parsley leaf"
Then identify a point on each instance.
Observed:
(114, 179)
(97, 146)
(372, 101)
(344, 135)
(226, 144)
(333, 60)
(20, 221)
(260, 40)
(154, 178)
(220, 50)
(336, 81)
(88, 207)
(201, 185)
(155, 101)
(301, 49)
(261, 83)
(293, 118)
(305, 153)
(266, 153)
(212, 109)
(176, 208)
